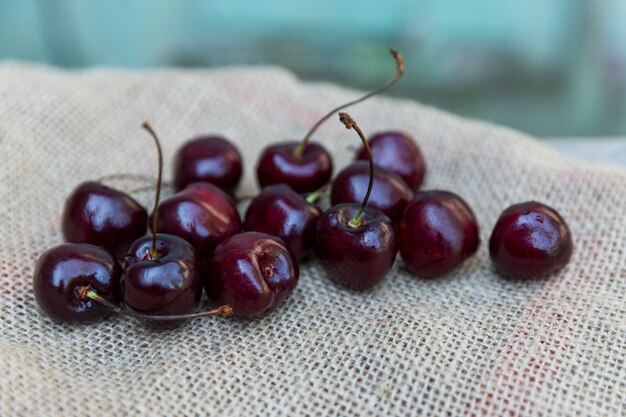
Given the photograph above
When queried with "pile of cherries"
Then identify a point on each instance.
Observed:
(247, 268)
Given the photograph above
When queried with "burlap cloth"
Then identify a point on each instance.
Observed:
(468, 344)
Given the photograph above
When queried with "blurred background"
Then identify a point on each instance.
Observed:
(553, 68)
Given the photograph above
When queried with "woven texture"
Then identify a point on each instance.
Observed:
(468, 344)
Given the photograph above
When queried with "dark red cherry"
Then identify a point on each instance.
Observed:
(390, 194)
(167, 282)
(202, 214)
(304, 172)
(103, 216)
(211, 159)
(279, 211)
(530, 240)
(305, 166)
(397, 152)
(63, 270)
(437, 233)
(357, 257)
(251, 272)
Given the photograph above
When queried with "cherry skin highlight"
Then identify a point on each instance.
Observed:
(167, 284)
(356, 257)
(202, 214)
(397, 152)
(390, 194)
(529, 241)
(211, 159)
(252, 273)
(62, 270)
(437, 233)
(279, 211)
(103, 216)
(304, 172)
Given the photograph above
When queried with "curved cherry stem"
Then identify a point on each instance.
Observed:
(316, 195)
(141, 190)
(88, 293)
(131, 177)
(351, 124)
(155, 211)
(399, 72)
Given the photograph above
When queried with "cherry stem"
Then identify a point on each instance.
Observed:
(316, 195)
(399, 72)
(155, 211)
(351, 124)
(88, 293)
(130, 177)
(140, 190)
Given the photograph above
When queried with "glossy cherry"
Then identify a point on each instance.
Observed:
(304, 171)
(165, 282)
(251, 272)
(202, 214)
(304, 166)
(103, 216)
(398, 153)
(356, 245)
(390, 194)
(437, 233)
(161, 272)
(63, 270)
(530, 240)
(279, 211)
(357, 257)
(211, 159)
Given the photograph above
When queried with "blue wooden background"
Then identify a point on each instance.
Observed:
(549, 67)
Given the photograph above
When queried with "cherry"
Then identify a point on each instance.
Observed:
(62, 270)
(163, 282)
(161, 272)
(202, 214)
(356, 245)
(304, 166)
(251, 272)
(357, 257)
(437, 233)
(211, 159)
(397, 152)
(304, 171)
(530, 240)
(103, 216)
(281, 212)
(390, 194)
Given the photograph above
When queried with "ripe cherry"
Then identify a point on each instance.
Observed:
(202, 214)
(251, 272)
(304, 166)
(63, 270)
(161, 272)
(437, 233)
(305, 171)
(279, 211)
(103, 216)
(390, 194)
(530, 240)
(211, 159)
(161, 280)
(397, 152)
(356, 245)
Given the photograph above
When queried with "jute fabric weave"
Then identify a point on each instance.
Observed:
(469, 344)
